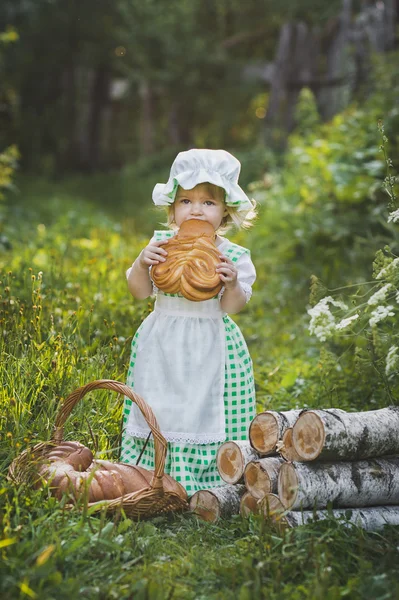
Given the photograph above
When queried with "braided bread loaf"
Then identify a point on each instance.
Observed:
(70, 469)
(190, 267)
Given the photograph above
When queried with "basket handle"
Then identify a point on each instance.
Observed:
(108, 384)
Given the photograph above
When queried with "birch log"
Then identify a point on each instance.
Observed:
(220, 502)
(373, 482)
(261, 476)
(271, 506)
(232, 458)
(285, 447)
(337, 435)
(267, 429)
(249, 505)
(372, 518)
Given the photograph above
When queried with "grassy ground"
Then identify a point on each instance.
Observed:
(67, 319)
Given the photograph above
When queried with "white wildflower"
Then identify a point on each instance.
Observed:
(388, 269)
(393, 216)
(98, 297)
(330, 299)
(380, 313)
(380, 295)
(392, 360)
(322, 322)
(345, 322)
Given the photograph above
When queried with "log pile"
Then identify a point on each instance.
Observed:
(300, 466)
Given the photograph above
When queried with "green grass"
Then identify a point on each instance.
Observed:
(67, 319)
(59, 555)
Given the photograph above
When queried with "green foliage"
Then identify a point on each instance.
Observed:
(324, 214)
(67, 318)
(8, 164)
(367, 331)
(9, 36)
(9, 156)
(61, 326)
(49, 552)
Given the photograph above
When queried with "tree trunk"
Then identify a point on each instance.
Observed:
(378, 21)
(285, 447)
(268, 427)
(69, 159)
(332, 99)
(334, 434)
(249, 505)
(390, 22)
(374, 30)
(357, 484)
(361, 57)
(220, 502)
(99, 98)
(174, 124)
(302, 67)
(261, 476)
(232, 458)
(274, 119)
(373, 518)
(294, 67)
(146, 118)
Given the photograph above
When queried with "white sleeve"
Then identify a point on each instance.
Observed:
(246, 274)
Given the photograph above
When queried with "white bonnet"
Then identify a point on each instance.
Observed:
(204, 166)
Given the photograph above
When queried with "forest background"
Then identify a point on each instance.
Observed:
(96, 99)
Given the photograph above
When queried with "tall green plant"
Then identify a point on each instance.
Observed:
(9, 156)
(359, 322)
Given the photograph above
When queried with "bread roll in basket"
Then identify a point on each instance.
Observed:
(71, 472)
(190, 267)
(70, 468)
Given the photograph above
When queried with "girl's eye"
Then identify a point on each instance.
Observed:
(184, 201)
(209, 203)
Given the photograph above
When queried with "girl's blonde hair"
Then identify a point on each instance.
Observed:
(233, 217)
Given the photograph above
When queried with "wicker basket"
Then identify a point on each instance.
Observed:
(147, 502)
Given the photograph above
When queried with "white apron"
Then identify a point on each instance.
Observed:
(179, 371)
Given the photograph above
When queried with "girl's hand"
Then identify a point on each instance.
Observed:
(227, 272)
(152, 254)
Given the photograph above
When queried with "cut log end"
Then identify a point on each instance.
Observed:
(256, 480)
(205, 505)
(287, 449)
(220, 502)
(308, 436)
(230, 462)
(287, 485)
(264, 433)
(272, 507)
(249, 505)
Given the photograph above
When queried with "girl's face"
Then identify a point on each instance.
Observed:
(199, 203)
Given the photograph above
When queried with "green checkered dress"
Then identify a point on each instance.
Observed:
(194, 465)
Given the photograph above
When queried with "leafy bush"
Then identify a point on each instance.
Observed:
(367, 334)
(323, 213)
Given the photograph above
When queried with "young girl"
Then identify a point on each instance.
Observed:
(189, 360)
